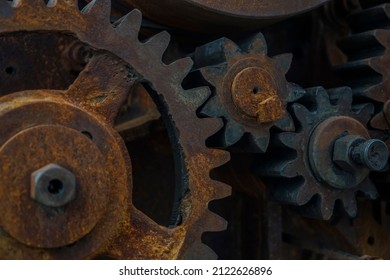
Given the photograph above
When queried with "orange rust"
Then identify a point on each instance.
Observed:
(255, 94)
(99, 92)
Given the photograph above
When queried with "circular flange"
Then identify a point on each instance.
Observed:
(247, 84)
(39, 128)
(31, 222)
(320, 153)
(255, 93)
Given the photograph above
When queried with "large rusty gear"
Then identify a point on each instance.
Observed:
(311, 161)
(250, 89)
(82, 116)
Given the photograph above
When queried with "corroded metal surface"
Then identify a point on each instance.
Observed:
(206, 15)
(251, 92)
(318, 181)
(83, 90)
(99, 91)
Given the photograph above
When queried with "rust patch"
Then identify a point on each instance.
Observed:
(256, 95)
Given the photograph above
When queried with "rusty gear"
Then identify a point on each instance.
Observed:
(74, 128)
(250, 89)
(315, 180)
(367, 49)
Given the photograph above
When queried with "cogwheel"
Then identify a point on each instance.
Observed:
(120, 60)
(250, 89)
(323, 160)
(367, 50)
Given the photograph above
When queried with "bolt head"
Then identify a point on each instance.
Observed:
(53, 185)
(341, 152)
(375, 154)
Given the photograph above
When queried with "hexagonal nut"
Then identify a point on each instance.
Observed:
(341, 152)
(53, 185)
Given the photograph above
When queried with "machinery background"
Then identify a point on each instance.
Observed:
(194, 129)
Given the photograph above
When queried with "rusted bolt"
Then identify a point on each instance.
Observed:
(53, 185)
(354, 152)
(78, 55)
(256, 95)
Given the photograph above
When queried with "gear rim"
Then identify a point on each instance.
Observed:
(199, 218)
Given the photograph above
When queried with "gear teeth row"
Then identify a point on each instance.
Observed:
(368, 55)
(220, 62)
(376, 17)
(130, 24)
(289, 174)
(121, 39)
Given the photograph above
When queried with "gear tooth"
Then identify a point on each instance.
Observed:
(233, 133)
(158, 44)
(130, 24)
(289, 170)
(304, 195)
(257, 44)
(300, 112)
(215, 222)
(363, 112)
(260, 140)
(194, 98)
(382, 36)
(279, 169)
(326, 209)
(98, 8)
(352, 71)
(350, 206)
(288, 139)
(295, 92)
(283, 61)
(377, 92)
(213, 74)
(343, 98)
(291, 194)
(230, 49)
(321, 97)
(215, 52)
(199, 251)
(213, 108)
(214, 124)
(222, 190)
(180, 68)
(379, 122)
(286, 123)
(368, 189)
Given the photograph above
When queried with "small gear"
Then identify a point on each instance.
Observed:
(250, 89)
(120, 61)
(328, 158)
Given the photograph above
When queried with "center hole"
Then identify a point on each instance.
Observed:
(9, 70)
(256, 90)
(55, 186)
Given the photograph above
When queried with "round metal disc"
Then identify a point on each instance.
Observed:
(33, 223)
(321, 151)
